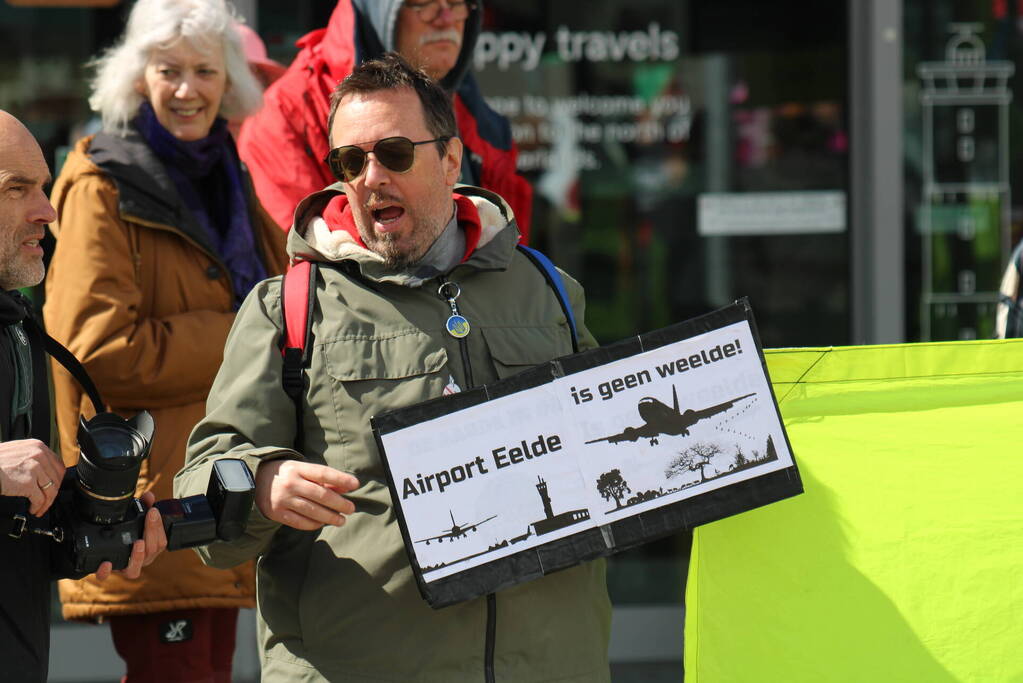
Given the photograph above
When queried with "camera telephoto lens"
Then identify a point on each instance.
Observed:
(112, 450)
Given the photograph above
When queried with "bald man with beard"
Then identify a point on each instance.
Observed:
(30, 473)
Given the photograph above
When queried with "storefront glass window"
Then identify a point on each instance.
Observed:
(963, 217)
(684, 154)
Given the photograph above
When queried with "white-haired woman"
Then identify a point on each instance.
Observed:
(159, 239)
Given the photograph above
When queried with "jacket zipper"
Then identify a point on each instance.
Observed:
(488, 661)
(450, 292)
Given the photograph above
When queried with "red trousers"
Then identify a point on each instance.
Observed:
(182, 646)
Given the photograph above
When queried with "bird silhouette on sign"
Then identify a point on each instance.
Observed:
(456, 531)
(660, 420)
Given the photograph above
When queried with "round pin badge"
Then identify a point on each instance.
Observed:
(458, 327)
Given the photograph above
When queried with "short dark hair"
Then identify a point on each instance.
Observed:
(388, 72)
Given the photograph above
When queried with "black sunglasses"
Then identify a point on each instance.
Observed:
(396, 154)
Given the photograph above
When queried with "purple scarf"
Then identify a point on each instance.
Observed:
(207, 175)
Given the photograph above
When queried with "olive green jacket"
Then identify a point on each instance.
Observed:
(341, 604)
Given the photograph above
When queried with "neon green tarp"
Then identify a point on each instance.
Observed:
(903, 560)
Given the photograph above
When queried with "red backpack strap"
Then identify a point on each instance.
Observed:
(297, 304)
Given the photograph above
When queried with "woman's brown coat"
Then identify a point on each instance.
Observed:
(137, 293)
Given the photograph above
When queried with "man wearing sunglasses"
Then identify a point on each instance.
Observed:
(284, 143)
(420, 292)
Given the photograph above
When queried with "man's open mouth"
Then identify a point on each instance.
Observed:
(387, 214)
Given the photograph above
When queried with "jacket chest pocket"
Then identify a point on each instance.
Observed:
(371, 375)
(514, 349)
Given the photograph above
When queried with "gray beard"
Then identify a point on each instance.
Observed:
(17, 275)
(386, 247)
(435, 255)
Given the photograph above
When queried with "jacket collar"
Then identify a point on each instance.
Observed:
(480, 212)
(145, 192)
(13, 307)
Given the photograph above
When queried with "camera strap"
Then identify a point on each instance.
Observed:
(23, 311)
(40, 340)
(15, 520)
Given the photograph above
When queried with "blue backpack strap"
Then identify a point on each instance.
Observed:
(553, 277)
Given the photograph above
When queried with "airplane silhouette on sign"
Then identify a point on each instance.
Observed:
(456, 531)
(660, 419)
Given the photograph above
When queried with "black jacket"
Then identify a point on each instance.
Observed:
(26, 563)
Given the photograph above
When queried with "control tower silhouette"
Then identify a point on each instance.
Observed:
(554, 522)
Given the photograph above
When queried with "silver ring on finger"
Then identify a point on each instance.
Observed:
(46, 485)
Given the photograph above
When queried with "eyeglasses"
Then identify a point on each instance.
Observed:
(396, 154)
(429, 11)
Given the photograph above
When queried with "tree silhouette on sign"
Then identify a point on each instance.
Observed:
(694, 458)
(612, 485)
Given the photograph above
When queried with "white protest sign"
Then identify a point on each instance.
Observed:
(585, 450)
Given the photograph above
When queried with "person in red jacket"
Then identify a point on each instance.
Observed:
(284, 144)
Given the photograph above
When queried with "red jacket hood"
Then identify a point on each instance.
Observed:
(338, 216)
(325, 229)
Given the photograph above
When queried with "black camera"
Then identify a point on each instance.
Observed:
(97, 518)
